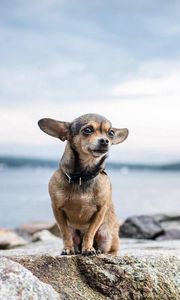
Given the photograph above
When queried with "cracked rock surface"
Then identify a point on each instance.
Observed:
(148, 270)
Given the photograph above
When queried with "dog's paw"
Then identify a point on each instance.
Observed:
(89, 252)
(99, 251)
(68, 251)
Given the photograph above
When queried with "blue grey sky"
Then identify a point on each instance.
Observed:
(64, 58)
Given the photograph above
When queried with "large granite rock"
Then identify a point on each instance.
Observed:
(18, 283)
(161, 227)
(148, 270)
(144, 269)
(107, 277)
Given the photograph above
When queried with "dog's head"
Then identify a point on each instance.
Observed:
(91, 134)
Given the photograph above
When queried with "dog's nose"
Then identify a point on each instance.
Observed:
(103, 142)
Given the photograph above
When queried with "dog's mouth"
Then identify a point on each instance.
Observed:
(98, 152)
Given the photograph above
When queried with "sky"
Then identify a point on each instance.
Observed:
(120, 58)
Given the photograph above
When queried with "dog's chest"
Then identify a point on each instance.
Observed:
(79, 207)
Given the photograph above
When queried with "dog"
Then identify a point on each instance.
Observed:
(80, 189)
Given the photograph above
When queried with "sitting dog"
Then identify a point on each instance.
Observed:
(80, 189)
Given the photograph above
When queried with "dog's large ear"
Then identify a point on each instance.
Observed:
(119, 135)
(55, 128)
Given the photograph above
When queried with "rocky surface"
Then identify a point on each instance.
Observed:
(52, 246)
(17, 282)
(160, 227)
(106, 277)
(144, 269)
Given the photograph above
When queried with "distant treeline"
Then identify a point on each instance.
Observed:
(16, 162)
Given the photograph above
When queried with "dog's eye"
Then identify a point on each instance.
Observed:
(87, 130)
(111, 133)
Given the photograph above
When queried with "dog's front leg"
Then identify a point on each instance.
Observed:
(88, 239)
(65, 230)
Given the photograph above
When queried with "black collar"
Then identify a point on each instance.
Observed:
(80, 174)
(79, 178)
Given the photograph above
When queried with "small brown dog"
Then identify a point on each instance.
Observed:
(80, 189)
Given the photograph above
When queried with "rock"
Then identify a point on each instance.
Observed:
(43, 235)
(160, 227)
(169, 234)
(33, 227)
(145, 269)
(51, 246)
(107, 277)
(10, 239)
(131, 277)
(141, 227)
(28, 229)
(168, 221)
(16, 282)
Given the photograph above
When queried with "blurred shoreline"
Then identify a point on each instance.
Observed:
(18, 162)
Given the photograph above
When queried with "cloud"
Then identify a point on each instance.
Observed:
(154, 124)
(62, 59)
(162, 79)
(65, 51)
(38, 83)
(58, 64)
(148, 105)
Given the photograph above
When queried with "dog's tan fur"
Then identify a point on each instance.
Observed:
(84, 213)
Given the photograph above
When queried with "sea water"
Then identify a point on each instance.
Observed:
(24, 193)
